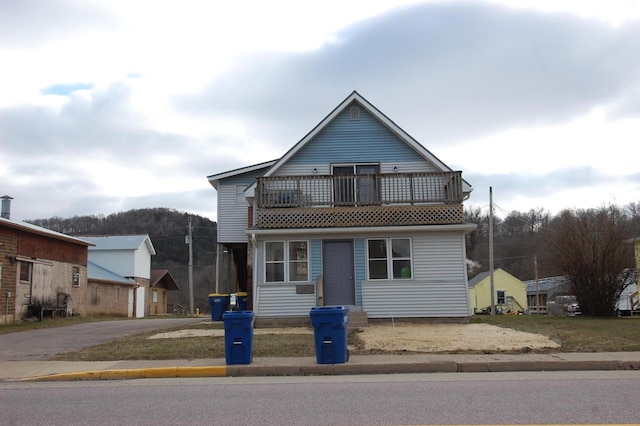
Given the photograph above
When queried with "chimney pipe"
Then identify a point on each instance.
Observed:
(6, 206)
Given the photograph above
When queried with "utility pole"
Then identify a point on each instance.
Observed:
(493, 297)
(535, 269)
(190, 242)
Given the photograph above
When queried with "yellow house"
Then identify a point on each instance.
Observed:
(510, 293)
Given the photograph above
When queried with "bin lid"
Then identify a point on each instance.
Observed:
(217, 295)
(241, 294)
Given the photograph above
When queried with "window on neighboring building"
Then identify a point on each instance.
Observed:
(389, 258)
(286, 261)
(501, 297)
(155, 296)
(75, 280)
(117, 295)
(25, 272)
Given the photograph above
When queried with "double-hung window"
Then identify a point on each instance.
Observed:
(389, 258)
(286, 261)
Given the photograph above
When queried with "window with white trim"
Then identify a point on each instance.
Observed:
(389, 259)
(501, 297)
(286, 261)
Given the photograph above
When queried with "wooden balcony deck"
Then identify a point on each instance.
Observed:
(398, 199)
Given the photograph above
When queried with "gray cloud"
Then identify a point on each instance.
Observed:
(33, 22)
(447, 71)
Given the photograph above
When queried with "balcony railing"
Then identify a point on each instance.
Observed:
(359, 190)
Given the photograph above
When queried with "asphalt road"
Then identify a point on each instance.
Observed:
(43, 344)
(448, 398)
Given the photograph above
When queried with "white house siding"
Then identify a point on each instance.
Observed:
(439, 286)
(278, 300)
(142, 262)
(232, 215)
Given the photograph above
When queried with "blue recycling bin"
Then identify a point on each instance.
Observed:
(241, 300)
(219, 303)
(238, 336)
(330, 329)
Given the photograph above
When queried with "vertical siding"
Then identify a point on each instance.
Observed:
(439, 286)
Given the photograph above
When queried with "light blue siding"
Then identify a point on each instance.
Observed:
(363, 141)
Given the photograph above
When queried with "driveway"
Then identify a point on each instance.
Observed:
(43, 344)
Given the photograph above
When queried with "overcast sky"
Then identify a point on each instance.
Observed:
(107, 106)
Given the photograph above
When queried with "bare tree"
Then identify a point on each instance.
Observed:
(591, 248)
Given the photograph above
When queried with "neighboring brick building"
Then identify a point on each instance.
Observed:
(39, 269)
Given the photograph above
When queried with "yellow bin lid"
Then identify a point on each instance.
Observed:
(241, 293)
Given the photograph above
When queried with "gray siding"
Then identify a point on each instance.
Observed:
(233, 211)
(439, 286)
(281, 300)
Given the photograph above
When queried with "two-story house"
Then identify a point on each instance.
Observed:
(357, 213)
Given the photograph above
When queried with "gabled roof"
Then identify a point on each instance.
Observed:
(119, 242)
(484, 275)
(214, 180)
(33, 229)
(96, 272)
(162, 278)
(376, 113)
(273, 166)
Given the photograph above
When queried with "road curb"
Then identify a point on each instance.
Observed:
(355, 368)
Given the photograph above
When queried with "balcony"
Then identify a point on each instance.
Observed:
(396, 199)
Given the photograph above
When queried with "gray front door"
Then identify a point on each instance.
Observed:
(337, 271)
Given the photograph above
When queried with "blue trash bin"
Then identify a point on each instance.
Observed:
(241, 300)
(238, 336)
(330, 329)
(219, 303)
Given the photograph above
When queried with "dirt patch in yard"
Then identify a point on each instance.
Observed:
(452, 338)
(425, 338)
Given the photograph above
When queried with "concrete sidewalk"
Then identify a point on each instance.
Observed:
(365, 364)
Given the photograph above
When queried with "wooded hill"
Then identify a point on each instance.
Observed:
(519, 238)
(167, 229)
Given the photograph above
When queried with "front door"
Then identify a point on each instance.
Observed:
(337, 270)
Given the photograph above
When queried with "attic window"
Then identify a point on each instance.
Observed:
(354, 113)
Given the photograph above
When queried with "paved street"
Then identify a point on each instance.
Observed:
(43, 344)
(460, 398)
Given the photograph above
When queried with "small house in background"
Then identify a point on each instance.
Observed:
(542, 292)
(128, 256)
(510, 294)
(357, 213)
(161, 283)
(42, 272)
(108, 293)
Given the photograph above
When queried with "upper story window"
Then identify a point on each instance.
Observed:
(286, 261)
(389, 258)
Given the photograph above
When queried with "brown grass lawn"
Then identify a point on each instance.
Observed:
(578, 334)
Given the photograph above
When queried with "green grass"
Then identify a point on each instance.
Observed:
(577, 334)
